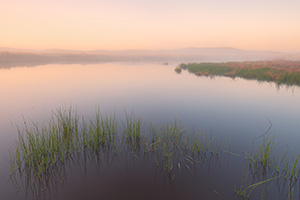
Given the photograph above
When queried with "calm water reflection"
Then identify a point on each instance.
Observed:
(235, 110)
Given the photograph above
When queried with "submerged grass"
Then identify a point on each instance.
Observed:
(264, 156)
(265, 166)
(41, 150)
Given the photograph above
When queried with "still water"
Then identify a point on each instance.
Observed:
(236, 111)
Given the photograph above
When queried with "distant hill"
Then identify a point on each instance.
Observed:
(207, 52)
(15, 57)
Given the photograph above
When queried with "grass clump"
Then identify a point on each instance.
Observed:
(42, 151)
(264, 156)
(42, 148)
(178, 69)
(265, 167)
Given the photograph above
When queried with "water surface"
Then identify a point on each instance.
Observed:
(235, 110)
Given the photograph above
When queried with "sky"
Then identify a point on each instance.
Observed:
(150, 24)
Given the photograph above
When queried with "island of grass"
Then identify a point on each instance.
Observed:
(277, 71)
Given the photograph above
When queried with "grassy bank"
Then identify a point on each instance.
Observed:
(42, 151)
(279, 72)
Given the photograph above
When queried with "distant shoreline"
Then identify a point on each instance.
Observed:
(18, 57)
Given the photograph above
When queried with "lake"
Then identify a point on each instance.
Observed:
(235, 112)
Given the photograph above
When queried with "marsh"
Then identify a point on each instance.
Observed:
(233, 116)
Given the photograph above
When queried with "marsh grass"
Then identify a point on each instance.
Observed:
(132, 131)
(42, 152)
(42, 148)
(264, 157)
(265, 166)
(270, 71)
(245, 190)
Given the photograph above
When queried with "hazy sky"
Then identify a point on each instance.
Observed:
(150, 24)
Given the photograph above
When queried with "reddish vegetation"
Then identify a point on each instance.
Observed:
(285, 65)
(279, 71)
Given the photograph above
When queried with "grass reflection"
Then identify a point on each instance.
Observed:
(44, 155)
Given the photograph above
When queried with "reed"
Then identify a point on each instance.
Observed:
(245, 191)
(132, 130)
(40, 150)
(264, 156)
(294, 172)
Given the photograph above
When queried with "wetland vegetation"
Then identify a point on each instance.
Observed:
(277, 71)
(42, 152)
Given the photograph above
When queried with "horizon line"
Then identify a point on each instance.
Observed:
(144, 49)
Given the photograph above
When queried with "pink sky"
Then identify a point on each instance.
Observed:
(164, 24)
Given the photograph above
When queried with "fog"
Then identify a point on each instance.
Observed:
(20, 57)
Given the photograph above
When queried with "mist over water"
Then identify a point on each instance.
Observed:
(17, 57)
